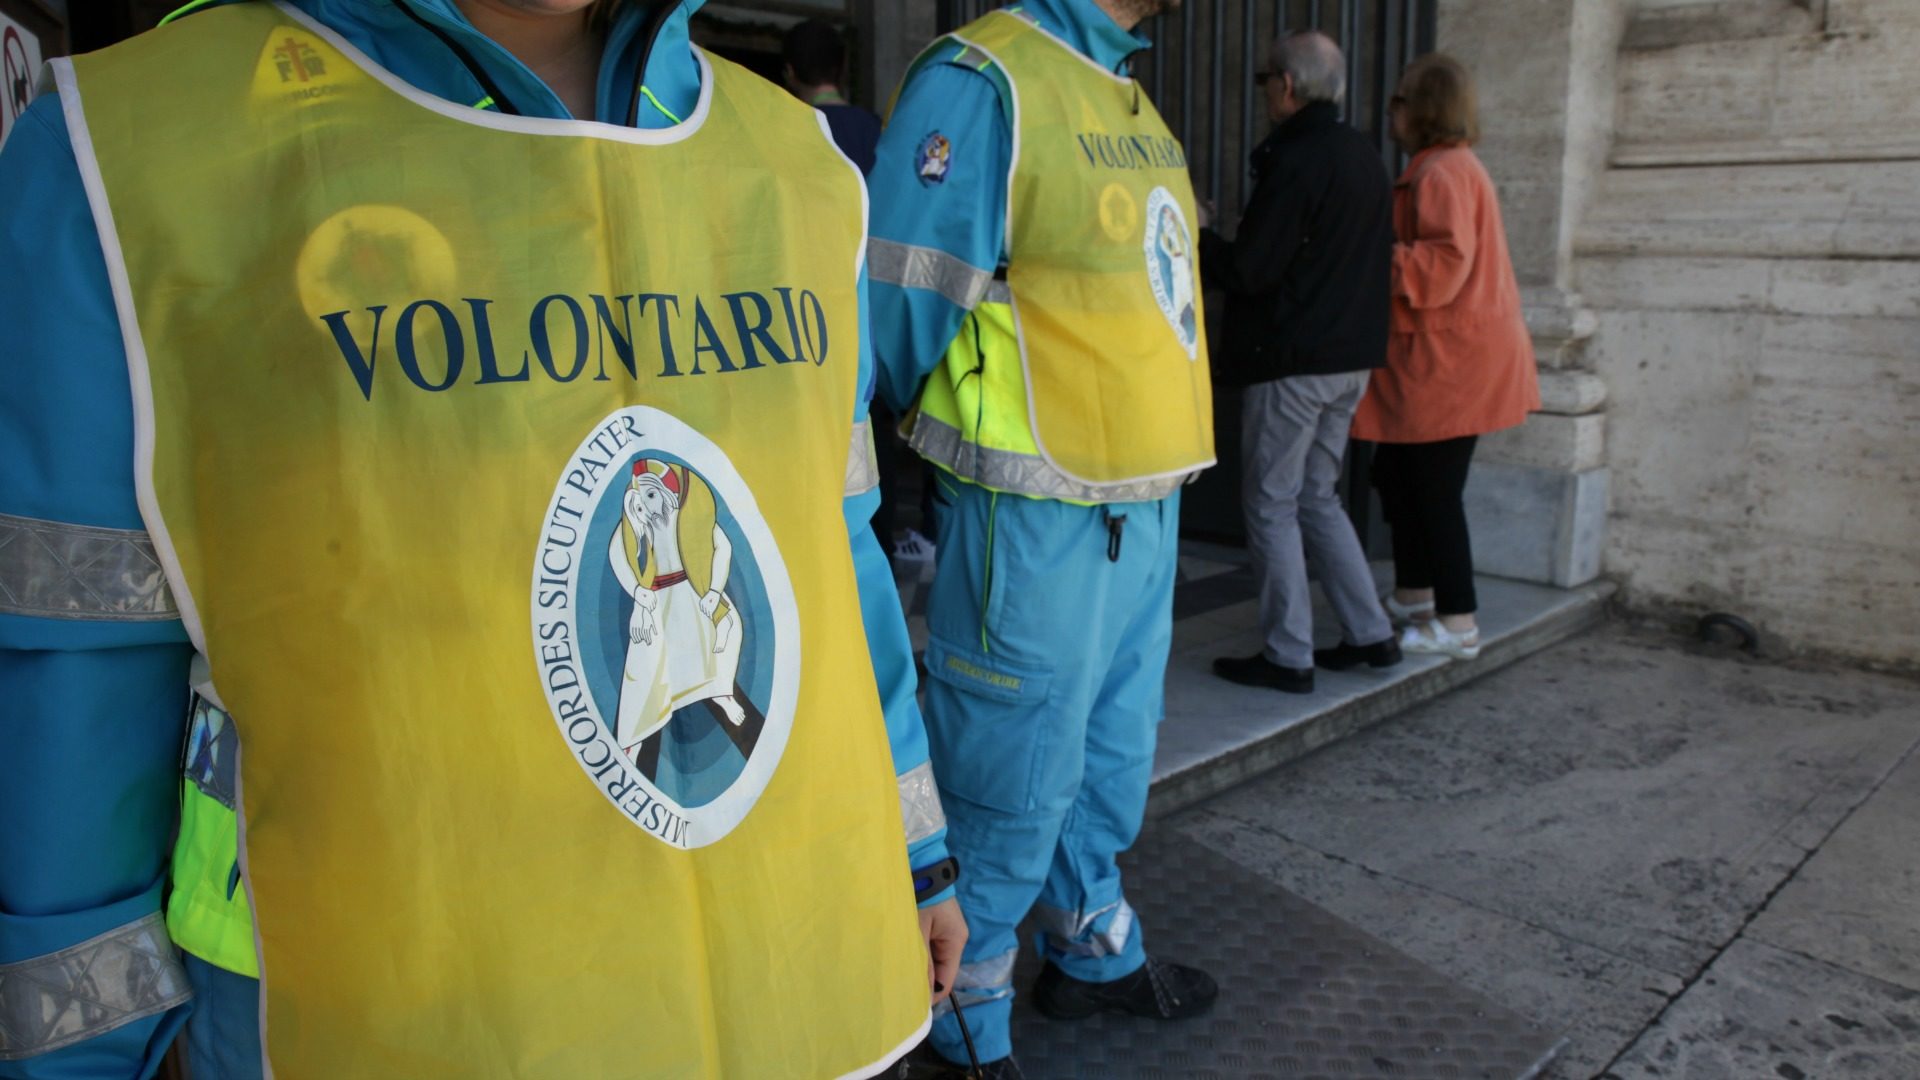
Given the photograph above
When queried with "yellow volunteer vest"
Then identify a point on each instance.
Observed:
(497, 465)
(1089, 382)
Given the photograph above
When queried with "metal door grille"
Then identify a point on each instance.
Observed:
(1201, 67)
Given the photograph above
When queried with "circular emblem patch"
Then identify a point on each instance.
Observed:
(931, 160)
(665, 628)
(372, 248)
(1170, 268)
(1119, 214)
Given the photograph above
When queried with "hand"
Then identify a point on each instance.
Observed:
(641, 625)
(710, 603)
(1205, 212)
(945, 931)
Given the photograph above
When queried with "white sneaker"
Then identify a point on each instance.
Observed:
(1431, 637)
(1406, 614)
(913, 548)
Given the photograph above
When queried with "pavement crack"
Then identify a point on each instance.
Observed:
(1758, 910)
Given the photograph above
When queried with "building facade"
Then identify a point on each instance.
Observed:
(1714, 210)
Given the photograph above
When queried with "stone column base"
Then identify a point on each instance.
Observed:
(1537, 524)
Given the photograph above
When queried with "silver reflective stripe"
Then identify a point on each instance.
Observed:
(920, 809)
(863, 467)
(1022, 474)
(998, 293)
(53, 570)
(1073, 934)
(914, 267)
(982, 980)
(213, 753)
(994, 971)
(968, 56)
(56, 1000)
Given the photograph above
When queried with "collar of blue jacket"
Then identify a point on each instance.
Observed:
(1083, 25)
(382, 30)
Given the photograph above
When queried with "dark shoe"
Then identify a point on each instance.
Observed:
(1260, 671)
(1157, 991)
(927, 1064)
(1380, 654)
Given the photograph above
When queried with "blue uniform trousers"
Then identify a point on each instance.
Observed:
(1050, 626)
(223, 1033)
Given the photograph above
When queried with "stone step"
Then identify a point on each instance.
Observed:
(1217, 734)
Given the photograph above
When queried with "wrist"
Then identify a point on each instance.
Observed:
(934, 882)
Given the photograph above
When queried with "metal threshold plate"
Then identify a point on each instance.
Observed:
(1303, 994)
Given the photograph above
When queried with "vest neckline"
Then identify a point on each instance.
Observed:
(1034, 25)
(526, 125)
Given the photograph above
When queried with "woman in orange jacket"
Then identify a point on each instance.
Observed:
(1459, 359)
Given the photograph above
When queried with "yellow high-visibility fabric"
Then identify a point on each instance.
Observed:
(207, 914)
(497, 464)
(1098, 366)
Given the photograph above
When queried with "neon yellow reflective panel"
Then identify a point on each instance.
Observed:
(1098, 367)
(498, 465)
(207, 913)
(207, 910)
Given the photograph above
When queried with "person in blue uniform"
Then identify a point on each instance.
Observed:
(93, 653)
(1053, 615)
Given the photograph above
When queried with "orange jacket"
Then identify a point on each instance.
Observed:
(1459, 359)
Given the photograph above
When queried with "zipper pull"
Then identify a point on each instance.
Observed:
(1115, 526)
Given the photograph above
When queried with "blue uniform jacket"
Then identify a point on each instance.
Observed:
(94, 710)
(953, 231)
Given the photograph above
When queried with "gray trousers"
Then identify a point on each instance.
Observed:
(1293, 435)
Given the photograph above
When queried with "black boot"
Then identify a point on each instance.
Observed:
(927, 1064)
(1380, 654)
(1260, 671)
(934, 1067)
(1157, 991)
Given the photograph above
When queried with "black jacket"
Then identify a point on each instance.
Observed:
(1308, 273)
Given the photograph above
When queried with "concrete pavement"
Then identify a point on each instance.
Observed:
(1694, 865)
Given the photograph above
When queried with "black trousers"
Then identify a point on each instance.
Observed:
(891, 451)
(885, 453)
(1422, 487)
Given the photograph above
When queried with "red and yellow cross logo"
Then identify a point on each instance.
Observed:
(297, 60)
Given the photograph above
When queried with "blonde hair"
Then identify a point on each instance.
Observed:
(1441, 104)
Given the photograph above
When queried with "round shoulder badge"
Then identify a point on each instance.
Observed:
(665, 628)
(1170, 268)
(931, 160)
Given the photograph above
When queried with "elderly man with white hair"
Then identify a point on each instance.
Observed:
(1307, 277)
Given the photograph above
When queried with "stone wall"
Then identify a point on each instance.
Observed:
(1714, 208)
(1753, 259)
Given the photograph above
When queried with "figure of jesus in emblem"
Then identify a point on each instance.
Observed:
(683, 642)
(935, 155)
(1173, 244)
